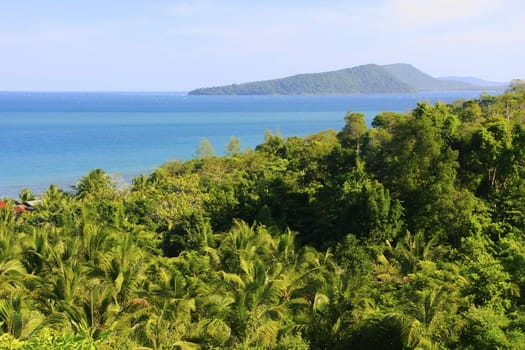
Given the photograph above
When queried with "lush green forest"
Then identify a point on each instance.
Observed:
(366, 79)
(406, 235)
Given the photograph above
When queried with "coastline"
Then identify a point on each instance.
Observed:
(10, 192)
(55, 138)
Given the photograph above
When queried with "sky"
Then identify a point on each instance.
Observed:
(172, 45)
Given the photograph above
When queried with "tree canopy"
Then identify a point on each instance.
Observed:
(406, 235)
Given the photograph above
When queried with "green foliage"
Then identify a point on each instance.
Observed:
(234, 146)
(353, 131)
(205, 149)
(485, 329)
(51, 342)
(407, 235)
(26, 195)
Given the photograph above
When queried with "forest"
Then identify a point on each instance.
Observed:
(409, 234)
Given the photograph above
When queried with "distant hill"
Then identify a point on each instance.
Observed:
(366, 79)
(422, 81)
(477, 82)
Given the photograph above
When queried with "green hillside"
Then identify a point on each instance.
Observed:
(422, 81)
(366, 79)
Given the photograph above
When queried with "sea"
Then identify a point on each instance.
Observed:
(57, 137)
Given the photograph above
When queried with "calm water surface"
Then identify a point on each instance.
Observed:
(58, 137)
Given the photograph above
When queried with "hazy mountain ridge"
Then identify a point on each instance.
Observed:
(476, 81)
(422, 81)
(365, 79)
(362, 79)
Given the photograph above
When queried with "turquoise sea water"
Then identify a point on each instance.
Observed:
(58, 137)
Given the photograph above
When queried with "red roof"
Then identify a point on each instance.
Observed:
(2, 204)
(19, 209)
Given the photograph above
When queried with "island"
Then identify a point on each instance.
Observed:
(365, 79)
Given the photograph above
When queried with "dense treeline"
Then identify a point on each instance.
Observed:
(406, 235)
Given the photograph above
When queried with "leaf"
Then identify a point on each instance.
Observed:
(337, 326)
(186, 345)
(320, 300)
(232, 277)
(118, 282)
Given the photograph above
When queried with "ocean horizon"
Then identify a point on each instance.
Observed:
(57, 137)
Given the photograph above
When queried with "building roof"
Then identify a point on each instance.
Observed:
(20, 208)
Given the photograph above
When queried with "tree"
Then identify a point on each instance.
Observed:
(167, 264)
(233, 147)
(26, 195)
(205, 149)
(354, 131)
(517, 85)
(419, 167)
(16, 320)
(96, 184)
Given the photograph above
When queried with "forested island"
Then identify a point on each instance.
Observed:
(366, 79)
(406, 235)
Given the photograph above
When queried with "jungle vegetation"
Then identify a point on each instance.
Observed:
(406, 235)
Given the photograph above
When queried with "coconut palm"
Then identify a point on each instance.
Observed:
(17, 320)
(412, 249)
(339, 304)
(37, 253)
(124, 266)
(12, 271)
(93, 312)
(168, 311)
(95, 184)
(258, 310)
(26, 195)
(57, 209)
(12, 274)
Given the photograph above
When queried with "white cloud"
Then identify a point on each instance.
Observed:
(221, 42)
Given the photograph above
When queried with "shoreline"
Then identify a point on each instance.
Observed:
(121, 181)
(44, 145)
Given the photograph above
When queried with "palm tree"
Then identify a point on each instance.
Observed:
(258, 310)
(339, 305)
(412, 249)
(16, 320)
(93, 312)
(37, 253)
(62, 286)
(56, 209)
(216, 310)
(12, 275)
(124, 267)
(96, 183)
(257, 281)
(12, 271)
(26, 195)
(168, 311)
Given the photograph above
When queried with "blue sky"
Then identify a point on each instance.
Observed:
(165, 45)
